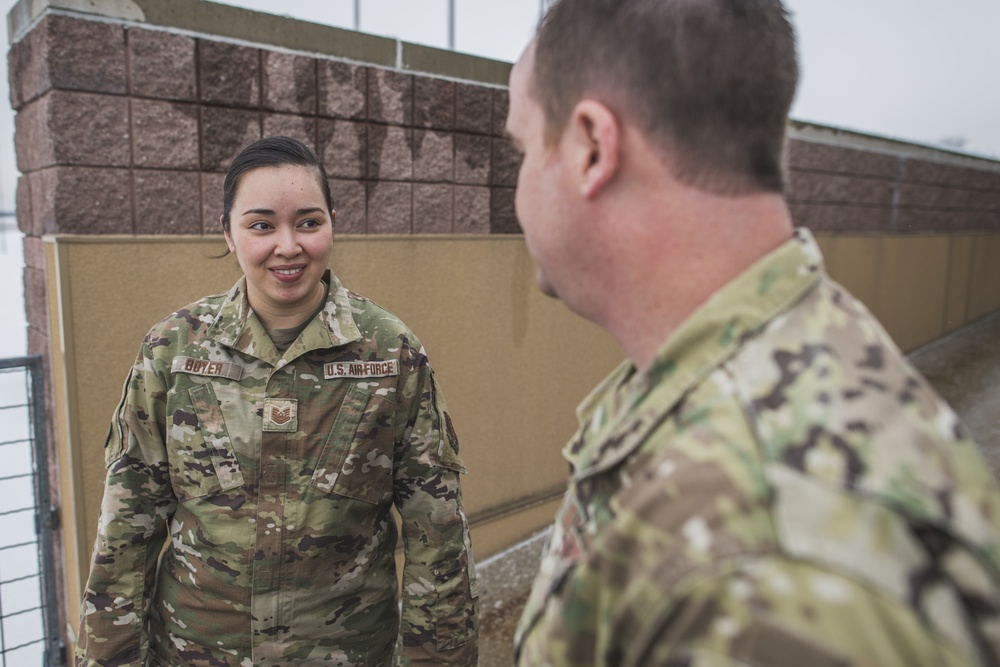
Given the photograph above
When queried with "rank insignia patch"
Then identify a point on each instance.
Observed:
(281, 415)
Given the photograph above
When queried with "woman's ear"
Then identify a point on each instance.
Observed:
(229, 237)
(594, 134)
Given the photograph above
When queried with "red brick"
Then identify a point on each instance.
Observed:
(34, 252)
(229, 74)
(349, 203)
(390, 208)
(211, 202)
(433, 156)
(811, 187)
(41, 198)
(390, 97)
(472, 159)
(164, 134)
(83, 200)
(501, 104)
(930, 196)
(433, 208)
(343, 148)
(164, 203)
(911, 220)
(39, 343)
(34, 144)
(473, 108)
(23, 207)
(503, 219)
(925, 171)
(28, 69)
(36, 306)
(843, 218)
(302, 128)
(472, 210)
(814, 156)
(73, 128)
(390, 153)
(433, 103)
(85, 55)
(224, 133)
(343, 90)
(289, 83)
(506, 163)
(161, 65)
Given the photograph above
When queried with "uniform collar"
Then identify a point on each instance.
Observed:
(621, 412)
(237, 325)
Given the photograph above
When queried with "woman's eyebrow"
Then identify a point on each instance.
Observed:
(267, 211)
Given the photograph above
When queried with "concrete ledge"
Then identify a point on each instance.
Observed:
(504, 584)
(964, 368)
(835, 136)
(216, 20)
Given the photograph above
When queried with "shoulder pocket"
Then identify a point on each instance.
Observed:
(114, 444)
(357, 459)
(447, 448)
(202, 460)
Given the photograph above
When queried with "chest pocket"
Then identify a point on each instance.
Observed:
(202, 460)
(356, 460)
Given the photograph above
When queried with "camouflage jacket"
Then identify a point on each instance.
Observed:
(780, 488)
(271, 477)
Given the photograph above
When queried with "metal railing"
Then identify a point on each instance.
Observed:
(29, 626)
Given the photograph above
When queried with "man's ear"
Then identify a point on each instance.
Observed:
(595, 136)
(229, 238)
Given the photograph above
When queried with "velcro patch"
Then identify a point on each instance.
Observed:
(225, 369)
(361, 369)
(281, 415)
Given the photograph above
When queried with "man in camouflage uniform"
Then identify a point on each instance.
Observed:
(766, 481)
(272, 474)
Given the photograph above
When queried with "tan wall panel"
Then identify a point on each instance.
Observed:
(854, 262)
(959, 279)
(912, 288)
(513, 364)
(984, 290)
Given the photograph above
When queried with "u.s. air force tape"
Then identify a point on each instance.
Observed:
(361, 369)
(225, 369)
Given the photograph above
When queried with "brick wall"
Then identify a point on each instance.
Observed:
(128, 130)
(891, 190)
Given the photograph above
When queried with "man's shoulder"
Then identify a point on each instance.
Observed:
(858, 449)
(830, 394)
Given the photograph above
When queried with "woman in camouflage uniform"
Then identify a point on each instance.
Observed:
(267, 432)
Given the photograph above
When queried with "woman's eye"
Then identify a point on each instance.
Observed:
(261, 226)
(310, 224)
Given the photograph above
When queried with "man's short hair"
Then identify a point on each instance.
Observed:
(709, 82)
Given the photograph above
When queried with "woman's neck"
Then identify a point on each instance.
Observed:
(274, 316)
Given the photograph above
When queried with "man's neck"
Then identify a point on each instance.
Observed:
(678, 261)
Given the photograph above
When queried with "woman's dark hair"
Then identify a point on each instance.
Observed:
(271, 152)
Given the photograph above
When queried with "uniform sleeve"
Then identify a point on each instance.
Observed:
(138, 502)
(440, 616)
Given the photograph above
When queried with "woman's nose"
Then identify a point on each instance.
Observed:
(287, 243)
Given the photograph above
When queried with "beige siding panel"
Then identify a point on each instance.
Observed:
(853, 261)
(984, 291)
(959, 277)
(513, 365)
(913, 288)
